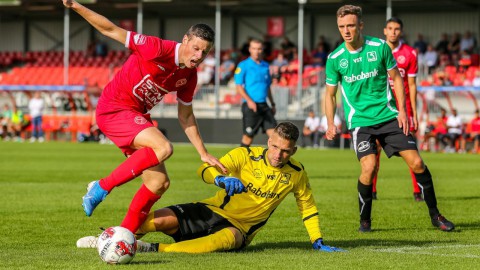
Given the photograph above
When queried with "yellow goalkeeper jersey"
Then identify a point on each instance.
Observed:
(266, 186)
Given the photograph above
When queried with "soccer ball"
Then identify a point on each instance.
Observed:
(117, 245)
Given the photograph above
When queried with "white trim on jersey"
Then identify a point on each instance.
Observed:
(354, 138)
(337, 53)
(127, 40)
(352, 110)
(176, 54)
(373, 43)
(389, 98)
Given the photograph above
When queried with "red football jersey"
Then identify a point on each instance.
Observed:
(150, 72)
(406, 57)
(475, 125)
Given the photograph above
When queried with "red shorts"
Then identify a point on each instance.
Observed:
(121, 125)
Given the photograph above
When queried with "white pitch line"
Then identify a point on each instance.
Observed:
(419, 250)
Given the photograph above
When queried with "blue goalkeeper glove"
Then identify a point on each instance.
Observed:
(231, 185)
(319, 245)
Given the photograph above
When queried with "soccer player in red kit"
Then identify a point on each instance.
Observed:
(155, 68)
(407, 65)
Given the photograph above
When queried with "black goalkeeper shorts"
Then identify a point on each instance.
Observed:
(197, 220)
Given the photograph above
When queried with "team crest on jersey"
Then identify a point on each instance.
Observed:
(372, 56)
(139, 39)
(140, 120)
(285, 178)
(238, 70)
(343, 63)
(401, 59)
(257, 173)
(181, 82)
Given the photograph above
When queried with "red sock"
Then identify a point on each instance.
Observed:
(416, 188)
(132, 167)
(139, 208)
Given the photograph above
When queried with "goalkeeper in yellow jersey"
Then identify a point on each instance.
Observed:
(258, 181)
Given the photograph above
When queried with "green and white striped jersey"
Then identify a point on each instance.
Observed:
(367, 97)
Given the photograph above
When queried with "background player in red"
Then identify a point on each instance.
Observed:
(155, 68)
(406, 57)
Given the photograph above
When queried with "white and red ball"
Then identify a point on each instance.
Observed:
(117, 245)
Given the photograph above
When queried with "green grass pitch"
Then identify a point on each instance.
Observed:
(41, 215)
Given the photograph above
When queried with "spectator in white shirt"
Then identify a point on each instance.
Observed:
(454, 131)
(310, 129)
(35, 106)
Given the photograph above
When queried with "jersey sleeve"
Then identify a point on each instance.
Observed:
(306, 205)
(332, 76)
(412, 69)
(240, 72)
(186, 96)
(233, 161)
(148, 47)
(388, 58)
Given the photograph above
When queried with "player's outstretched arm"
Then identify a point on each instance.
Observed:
(320, 246)
(102, 24)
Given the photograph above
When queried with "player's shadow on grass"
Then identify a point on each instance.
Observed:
(462, 198)
(344, 244)
(475, 225)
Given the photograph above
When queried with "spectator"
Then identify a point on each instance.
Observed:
(454, 131)
(420, 44)
(435, 131)
(454, 45)
(278, 66)
(206, 70)
(476, 79)
(288, 48)
(322, 41)
(267, 48)
(226, 69)
(101, 49)
(36, 106)
(319, 56)
(442, 45)
(473, 132)
(18, 123)
(467, 42)
(6, 116)
(431, 58)
(311, 129)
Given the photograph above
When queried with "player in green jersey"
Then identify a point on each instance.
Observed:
(362, 65)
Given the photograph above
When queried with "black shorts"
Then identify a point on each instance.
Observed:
(390, 136)
(252, 121)
(196, 220)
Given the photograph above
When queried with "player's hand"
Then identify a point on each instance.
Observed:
(319, 245)
(403, 122)
(214, 162)
(415, 123)
(331, 132)
(252, 105)
(68, 3)
(232, 185)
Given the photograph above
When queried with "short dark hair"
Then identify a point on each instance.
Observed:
(201, 30)
(350, 10)
(255, 40)
(288, 131)
(395, 20)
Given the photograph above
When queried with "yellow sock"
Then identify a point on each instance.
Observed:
(147, 226)
(219, 241)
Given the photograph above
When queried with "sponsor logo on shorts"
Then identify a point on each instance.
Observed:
(249, 130)
(363, 146)
(411, 142)
(181, 82)
(140, 120)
